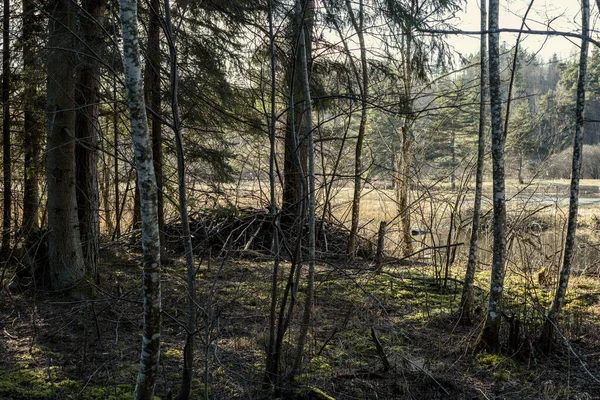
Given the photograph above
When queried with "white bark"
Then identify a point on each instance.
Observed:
(491, 329)
(563, 282)
(148, 198)
(467, 294)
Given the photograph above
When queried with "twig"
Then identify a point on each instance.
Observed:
(335, 329)
(96, 322)
(483, 393)
(380, 351)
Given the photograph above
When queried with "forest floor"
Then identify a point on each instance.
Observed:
(70, 347)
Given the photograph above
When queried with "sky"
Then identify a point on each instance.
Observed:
(564, 14)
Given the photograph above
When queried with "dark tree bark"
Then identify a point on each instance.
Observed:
(104, 185)
(404, 158)
(308, 123)
(32, 121)
(294, 172)
(64, 244)
(402, 187)
(363, 82)
(548, 330)
(6, 163)
(87, 127)
(118, 210)
(489, 337)
(467, 293)
(153, 98)
(146, 380)
(188, 353)
(136, 217)
(273, 357)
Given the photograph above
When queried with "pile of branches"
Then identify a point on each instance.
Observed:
(249, 232)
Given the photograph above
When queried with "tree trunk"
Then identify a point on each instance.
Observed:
(294, 170)
(453, 160)
(402, 190)
(559, 297)
(136, 217)
(188, 353)
(489, 337)
(364, 88)
(307, 114)
(153, 97)
(64, 244)
(118, 209)
(150, 353)
(404, 160)
(272, 362)
(32, 123)
(520, 173)
(6, 164)
(87, 127)
(104, 185)
(467, 298)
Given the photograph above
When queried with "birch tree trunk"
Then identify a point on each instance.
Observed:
(87, 127)
(489, 337)
(64, 244)
(467, 293)
(364, 87)
(6, 164)
(148, 198)
(548, 330)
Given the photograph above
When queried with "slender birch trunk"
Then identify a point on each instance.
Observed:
(548, 330)
(148, 198)
(467, 293)
(364, 87)
(489, 337)
(311, 192)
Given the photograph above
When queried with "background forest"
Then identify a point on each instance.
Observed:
(298, 199)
